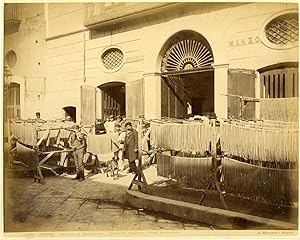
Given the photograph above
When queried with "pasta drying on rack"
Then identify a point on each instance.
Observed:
(181, 137)
(101, 144)
(260, 142)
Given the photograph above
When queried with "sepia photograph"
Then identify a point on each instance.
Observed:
(163, 119)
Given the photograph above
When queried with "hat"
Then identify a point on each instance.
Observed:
(111, 116)
(128, 123)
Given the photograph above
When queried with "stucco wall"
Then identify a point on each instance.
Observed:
(64, 18)
(30, 47)
(70, 58)
(221, 28)
(65, 73)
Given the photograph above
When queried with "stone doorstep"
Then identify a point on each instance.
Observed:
(189, 211)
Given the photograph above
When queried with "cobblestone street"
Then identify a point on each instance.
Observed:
(96, 204)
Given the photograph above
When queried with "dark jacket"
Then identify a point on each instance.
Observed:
(130, 144)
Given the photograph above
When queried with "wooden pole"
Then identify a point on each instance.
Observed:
(139, 129)
(214, 168)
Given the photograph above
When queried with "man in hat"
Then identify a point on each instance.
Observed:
(78, 144)
(130, 149)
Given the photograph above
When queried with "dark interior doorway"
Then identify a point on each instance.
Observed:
(177, 91)
(70, 112)
(113, 99)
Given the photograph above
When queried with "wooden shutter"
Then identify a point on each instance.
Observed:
(135, 99)
(241, 82)
(88, 105)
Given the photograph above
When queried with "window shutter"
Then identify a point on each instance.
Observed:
(241, 82)
(88, 104)
(135, 99)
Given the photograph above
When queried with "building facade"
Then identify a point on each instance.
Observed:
(90, 60)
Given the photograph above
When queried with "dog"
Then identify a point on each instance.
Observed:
(112, 168)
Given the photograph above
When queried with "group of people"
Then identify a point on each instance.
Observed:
(127, 140)
(110, 125)
(127, 143)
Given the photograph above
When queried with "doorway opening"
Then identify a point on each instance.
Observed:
(187, 83)
(113, 98)
(188, 94)
(70, 112)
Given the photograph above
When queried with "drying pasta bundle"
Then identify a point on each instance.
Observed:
(101, 144)
(260, 142)
(181, 137)
(28, 155)
(282, 109)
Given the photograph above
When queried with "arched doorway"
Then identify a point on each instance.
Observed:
(70, 111)
(113, 99)
(187, 84)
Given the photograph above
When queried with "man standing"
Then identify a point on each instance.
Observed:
(78, 144)
(131, 147)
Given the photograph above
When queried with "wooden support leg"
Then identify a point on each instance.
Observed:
(39, 175)
(214, 181)
(220, 193)
(133, 181)
(141, 180)
(207, 188)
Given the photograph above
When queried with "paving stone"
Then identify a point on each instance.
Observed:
(85, 212)
(72, 226)
(68, 208)
(113, 212)
(44, 209)
(148, 225)
(100, 226)
(133, 226)
(130, 212)
(40, 199)
(114, 220)
(108, 206)
(132, 218)
(48, 226)
(150, 218)
(194, 227)
(170, 226)
(56, 199)
(161, 220)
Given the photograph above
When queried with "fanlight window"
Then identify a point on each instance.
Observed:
(186, 54)
(283, 30)
(112, 59)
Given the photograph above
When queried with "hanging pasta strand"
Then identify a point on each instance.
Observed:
(267, 142)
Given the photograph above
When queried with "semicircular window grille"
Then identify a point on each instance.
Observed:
(112, 59)
(11, 58)
(186, 54)
(283, 30)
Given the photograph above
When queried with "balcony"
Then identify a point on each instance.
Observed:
(12, 17)
(98, 14)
